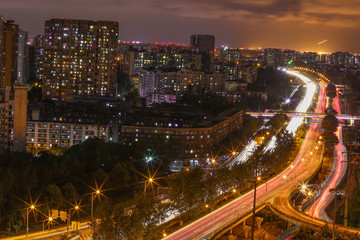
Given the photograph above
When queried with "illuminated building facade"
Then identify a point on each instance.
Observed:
(13, 113)
(23, 58)
(44, 135)
(9, 53)
(38, 44)
(79, 58)
(194, 134)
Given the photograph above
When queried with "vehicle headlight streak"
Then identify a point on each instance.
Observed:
(295, 122)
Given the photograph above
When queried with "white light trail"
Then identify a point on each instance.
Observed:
(295, 122)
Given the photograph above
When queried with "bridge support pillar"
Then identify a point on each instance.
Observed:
(246, 231)
(232, 237)
(259, 220)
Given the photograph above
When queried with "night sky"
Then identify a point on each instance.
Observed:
(295, 24)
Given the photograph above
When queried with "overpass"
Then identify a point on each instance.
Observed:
(299, 114)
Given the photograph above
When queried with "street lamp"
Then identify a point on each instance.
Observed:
(213, 219)
(50, 219)
(150, 181)
(69, 218)
(32, 207)
(96, 193)
(149, 159)
(254, 207)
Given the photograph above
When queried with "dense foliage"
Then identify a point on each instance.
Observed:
(58, 181)
(190, 191)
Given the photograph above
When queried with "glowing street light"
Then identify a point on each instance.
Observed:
(150, 180)
(149, 159)
(75, 208)
(96, 193)
(213, 219)
(50, 220)
(31, 208)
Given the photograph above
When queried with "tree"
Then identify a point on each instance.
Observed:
(120, 175)
(187, 189)
(123, 81)
(331, 90)
(330, 123)
(54, 197)
(70, 193)
(131, 220)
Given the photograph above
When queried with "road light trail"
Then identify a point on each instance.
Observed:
(317, 210)
(295, 122)
(303, 167)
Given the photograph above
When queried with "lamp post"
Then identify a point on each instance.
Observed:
(150, 180)
(69, 217)
(97, 192)
(254, 206)
(213, 219)
(32, 207)
(49, 220)
(336, 192)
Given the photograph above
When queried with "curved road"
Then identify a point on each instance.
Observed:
(301, 169)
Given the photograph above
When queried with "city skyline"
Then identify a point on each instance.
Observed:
(299, 25)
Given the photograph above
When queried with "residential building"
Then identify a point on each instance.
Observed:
(206, 45)
(194, 133)
(147, 83)
(44, 135)
(160, 98)
(13, 112)
(9, 56)
(79, 58)
(23, 58)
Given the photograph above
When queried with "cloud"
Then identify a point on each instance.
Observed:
(287, 23)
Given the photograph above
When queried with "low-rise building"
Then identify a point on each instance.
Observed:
(45, 135)
(193, 134)
(160, 98)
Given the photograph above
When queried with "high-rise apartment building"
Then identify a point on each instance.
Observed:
(23, 58)
(79, 58)
(1, 48)
(38, 44)
(9, 55)
(147, 83)
(206, 45)
(13, 111)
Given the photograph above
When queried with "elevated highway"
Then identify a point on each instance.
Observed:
(301, 114)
